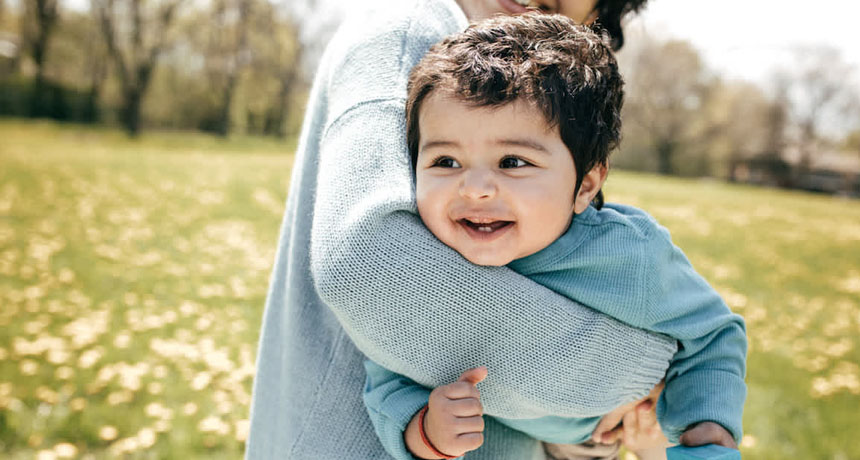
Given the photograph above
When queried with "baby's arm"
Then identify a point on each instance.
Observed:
(705, 381)
(452, 422)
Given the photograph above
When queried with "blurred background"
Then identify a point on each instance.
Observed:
(145, 154)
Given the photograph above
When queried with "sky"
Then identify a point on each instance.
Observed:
(748, 38)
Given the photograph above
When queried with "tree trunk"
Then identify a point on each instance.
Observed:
(39, 100)
(131, 111)
(236, 62)
(665, 152)
(46, 18)
(279, 118)
(223, 128)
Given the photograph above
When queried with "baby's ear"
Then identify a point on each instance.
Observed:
(591, 185)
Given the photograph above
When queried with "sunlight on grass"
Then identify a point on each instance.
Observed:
(133, 281)
(133, 276)
(788, 262)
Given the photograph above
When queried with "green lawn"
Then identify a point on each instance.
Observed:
(133, 275)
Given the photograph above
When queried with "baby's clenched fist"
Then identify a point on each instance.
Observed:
(453, 423)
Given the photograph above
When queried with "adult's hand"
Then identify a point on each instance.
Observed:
(708, 433)
(635, 425)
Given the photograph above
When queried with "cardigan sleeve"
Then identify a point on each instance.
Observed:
(418, 308)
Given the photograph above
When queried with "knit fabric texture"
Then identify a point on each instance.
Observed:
(621, 262)
(356, 273)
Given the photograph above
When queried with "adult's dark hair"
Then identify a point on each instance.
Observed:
(566, 70)
(610, 14)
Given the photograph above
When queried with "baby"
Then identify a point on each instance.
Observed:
(510, 125)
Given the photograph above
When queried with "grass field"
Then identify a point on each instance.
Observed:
(133, 275)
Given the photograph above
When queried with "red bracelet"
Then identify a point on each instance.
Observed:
(423, 435)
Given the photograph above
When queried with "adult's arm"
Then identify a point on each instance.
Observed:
(418, 308)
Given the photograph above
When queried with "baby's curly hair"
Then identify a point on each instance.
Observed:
(566, 70)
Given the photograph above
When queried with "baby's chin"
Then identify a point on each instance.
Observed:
(489, 260)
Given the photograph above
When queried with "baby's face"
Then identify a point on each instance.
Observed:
(494, 183)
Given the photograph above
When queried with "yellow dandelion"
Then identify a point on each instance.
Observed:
(189, 408)
(170, 317)
(850, 284)
(146, 438)
(46, 394)
(188, 308)
(28, 367)
(749, 441)
(201, 381)
(90, 357)
(78, 404)
(26, 272)
(241, 428)
(821, 387)
(58, 356)
(34, 327)
(213, 424)
(34, 293)
(122, 340)
(840, 348)
(120, 397)
(155, 388)
(154, 409)
(65, 450)
(125, 446)
(161, 426)
(238, 327)
(130, 298)
(66, 276)
(108, 433)
(211, 290)
(225, 407)
(46, 454)
(160, 371)
(64, 373)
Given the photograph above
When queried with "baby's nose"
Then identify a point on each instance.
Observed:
(477, 185)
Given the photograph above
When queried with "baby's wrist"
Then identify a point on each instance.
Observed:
(412, 438)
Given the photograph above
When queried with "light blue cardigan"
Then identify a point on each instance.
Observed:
(619, 261)
(356, 272)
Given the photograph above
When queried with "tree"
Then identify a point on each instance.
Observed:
(39, 20)
(226, 50)
(135, 36)
(667, 87)
(820, 99)
(745, 125)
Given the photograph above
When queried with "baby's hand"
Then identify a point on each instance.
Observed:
(453, 423)
(708, 433)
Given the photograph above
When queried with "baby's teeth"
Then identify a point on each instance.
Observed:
(485, 229)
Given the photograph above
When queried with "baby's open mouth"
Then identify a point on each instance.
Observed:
(485, 226)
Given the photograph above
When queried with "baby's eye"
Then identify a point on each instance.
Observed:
(445, 162)
(512, 162)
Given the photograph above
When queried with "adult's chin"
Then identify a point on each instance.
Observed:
(511, 7)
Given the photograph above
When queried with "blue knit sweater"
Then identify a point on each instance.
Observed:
(357, 274)
(619, 261)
